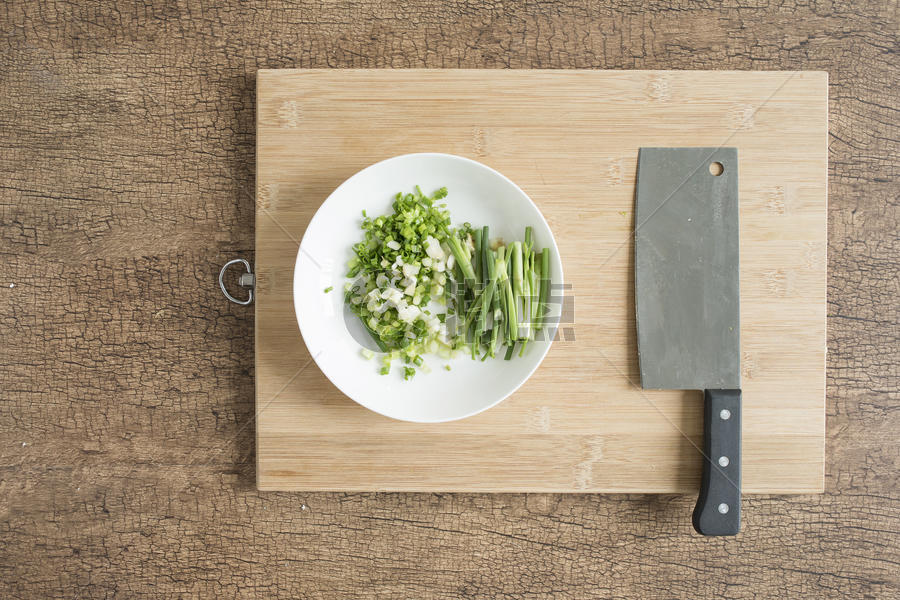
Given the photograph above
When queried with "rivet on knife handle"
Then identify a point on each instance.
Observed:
(718, 510)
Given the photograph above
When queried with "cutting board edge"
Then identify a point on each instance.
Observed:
(624, 72)
(757, 491)
(822, 77)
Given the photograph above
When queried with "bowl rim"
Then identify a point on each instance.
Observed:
(442, 155)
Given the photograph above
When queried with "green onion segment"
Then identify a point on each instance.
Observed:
(421, 286)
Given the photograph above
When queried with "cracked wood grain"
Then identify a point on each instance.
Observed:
(126, 177)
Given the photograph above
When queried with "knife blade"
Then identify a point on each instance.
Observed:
(687, 304)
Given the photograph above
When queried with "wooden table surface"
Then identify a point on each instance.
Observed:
(126, 381)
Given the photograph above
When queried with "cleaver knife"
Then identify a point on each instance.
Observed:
(687, 300)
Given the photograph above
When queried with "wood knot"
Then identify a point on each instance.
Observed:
(814, 255)
(592, 451)
(540, 419)
(776, 282)
(659, 88)
(584, 475)
(267, 196)
(479, 141)
(740, 116)
(615, 172)
(775, 200)
(263, 282)
(749, 365)
(289, 113)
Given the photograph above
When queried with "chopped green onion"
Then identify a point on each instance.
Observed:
(545, 287)
(476, 236)
(412, 269)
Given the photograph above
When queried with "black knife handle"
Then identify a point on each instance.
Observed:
(718, 510)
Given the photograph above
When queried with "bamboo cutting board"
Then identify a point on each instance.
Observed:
(570, 140)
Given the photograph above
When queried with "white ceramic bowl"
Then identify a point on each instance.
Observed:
(477, 194)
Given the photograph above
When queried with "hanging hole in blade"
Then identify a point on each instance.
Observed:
(716, 168)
